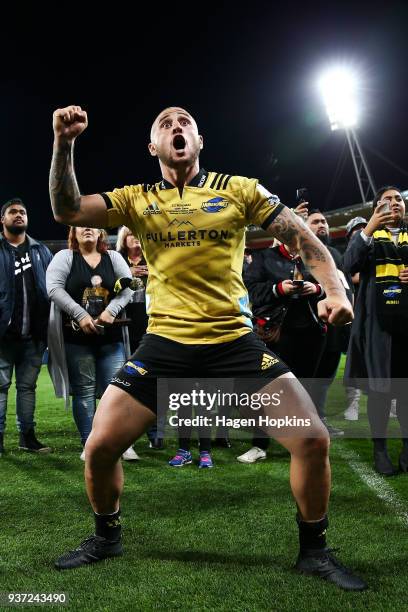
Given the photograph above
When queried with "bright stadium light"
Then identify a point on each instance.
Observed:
(339, 88)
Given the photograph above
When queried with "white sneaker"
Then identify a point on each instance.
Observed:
(393, 411)
(82, 455)
(254, 454)
(130, 455)
(351, 414)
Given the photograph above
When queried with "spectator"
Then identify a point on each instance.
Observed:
(377, 352)
(279, 285)
(24, 310)
(353, 395)
(86, 346)
(183, 455)
(335, 338)
(130, 249)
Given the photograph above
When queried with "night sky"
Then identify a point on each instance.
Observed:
(246, 72)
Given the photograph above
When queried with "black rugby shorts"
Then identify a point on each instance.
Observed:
(158, 357)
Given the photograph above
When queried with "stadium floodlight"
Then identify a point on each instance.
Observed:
(339, 88)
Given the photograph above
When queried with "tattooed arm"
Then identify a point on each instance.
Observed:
(291, 230)
(68, 205)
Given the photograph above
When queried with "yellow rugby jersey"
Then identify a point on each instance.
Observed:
(194, 247)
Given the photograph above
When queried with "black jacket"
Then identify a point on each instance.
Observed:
(368, 364)
(40, 257)
(269, 267)
(338, 337)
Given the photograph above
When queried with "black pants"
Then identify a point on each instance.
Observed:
(301, 351)
(323, 378)
(185, 431)
(378, 405)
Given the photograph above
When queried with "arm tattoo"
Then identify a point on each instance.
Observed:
(285, 229)
(64, 192)
(291, 230)
(311, 252)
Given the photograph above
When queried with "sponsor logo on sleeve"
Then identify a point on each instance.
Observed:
(271, 198)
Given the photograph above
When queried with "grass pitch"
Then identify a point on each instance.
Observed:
(221, 539)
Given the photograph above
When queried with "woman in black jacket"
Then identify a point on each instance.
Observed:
(279, 280)
(377, 357)
(278, 284)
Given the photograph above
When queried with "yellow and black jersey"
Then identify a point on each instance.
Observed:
(194, 245)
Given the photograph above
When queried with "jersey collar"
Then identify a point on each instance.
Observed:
(198, 181)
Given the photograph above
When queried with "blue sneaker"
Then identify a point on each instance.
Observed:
(205, 460)
(182, 457)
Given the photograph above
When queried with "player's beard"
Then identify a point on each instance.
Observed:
(167, 159)
(16, 230)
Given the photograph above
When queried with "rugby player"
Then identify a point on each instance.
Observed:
(191, 225)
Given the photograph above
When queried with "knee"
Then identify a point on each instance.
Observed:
(316, 447)
(23, 387)
(99, 451)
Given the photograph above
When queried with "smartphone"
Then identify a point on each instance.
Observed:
(298, 283)
(385, 206)
(302, 195)
(100, 328)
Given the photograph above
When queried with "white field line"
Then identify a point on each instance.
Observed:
(378, 485)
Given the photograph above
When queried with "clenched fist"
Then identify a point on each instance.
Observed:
(336, 310)
(68, 123)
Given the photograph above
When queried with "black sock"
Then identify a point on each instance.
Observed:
(108, 526)
(405, 444)
(204, 444)
(380, 444)
(184, 444)
(312, 535)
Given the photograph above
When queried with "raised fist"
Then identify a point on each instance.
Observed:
(69, 122)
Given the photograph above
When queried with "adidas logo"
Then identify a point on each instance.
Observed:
(268, 361)
(152, 209)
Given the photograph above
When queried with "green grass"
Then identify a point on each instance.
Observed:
(224, 539)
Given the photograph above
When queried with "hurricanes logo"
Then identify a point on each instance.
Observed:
(152, 209)
(133, 367)
(268, 361)
(114, 523)
(392, 292)
(214, 205)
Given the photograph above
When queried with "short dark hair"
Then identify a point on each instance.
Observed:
(313, 211)
(381, 191)
(10, 203)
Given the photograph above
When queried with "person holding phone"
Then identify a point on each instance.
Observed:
(302, 203)
(377, 358)
(86, 346)
(277, 280)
